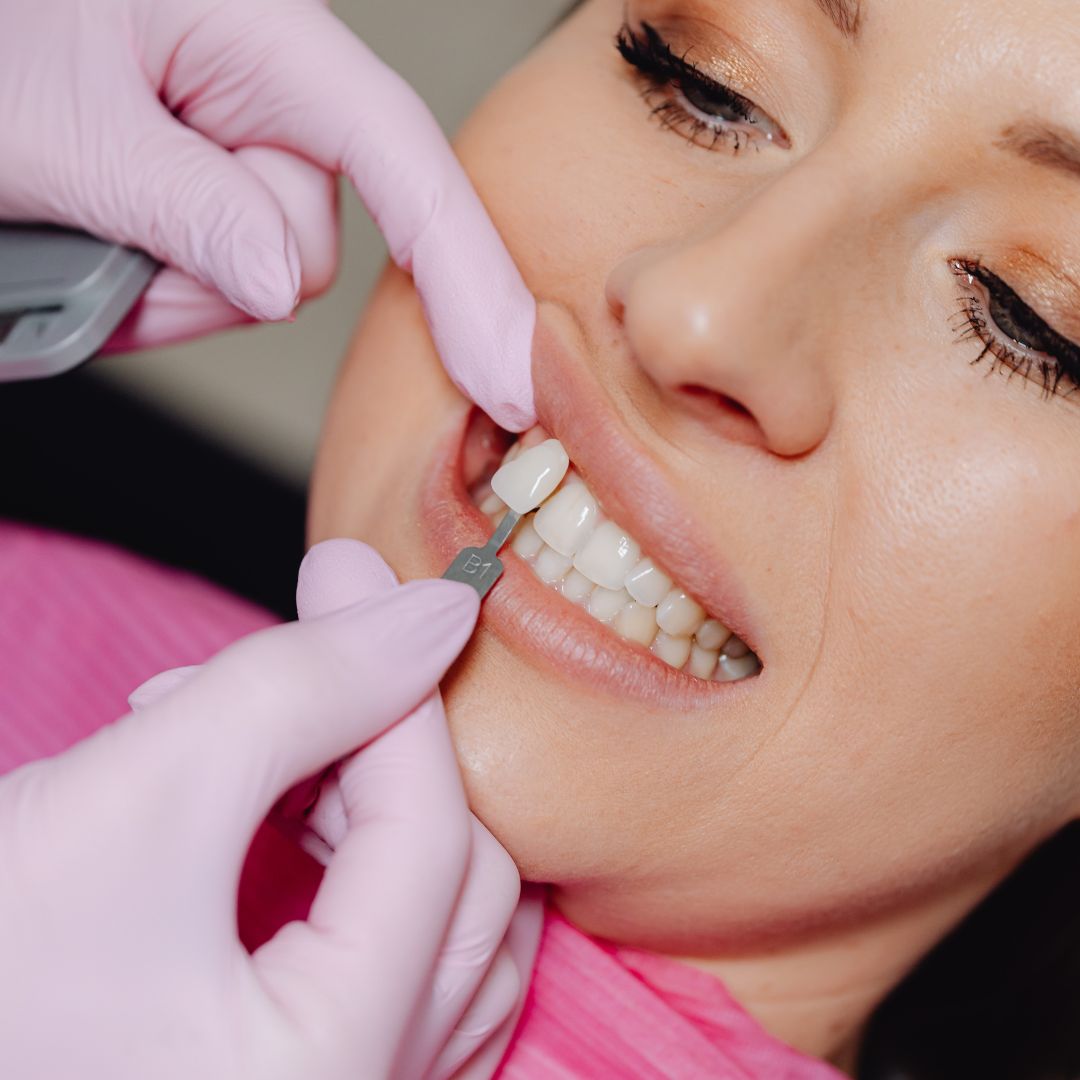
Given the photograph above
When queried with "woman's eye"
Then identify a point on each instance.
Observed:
(685, 99)
(1012, 333)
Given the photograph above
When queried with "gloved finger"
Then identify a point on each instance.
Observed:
(466, 1058)
(350, 113)
(388, 893)
(159, 686)
(494, 1002)
(193, 205)
(177, 308)
(276, 706)
(485, 907)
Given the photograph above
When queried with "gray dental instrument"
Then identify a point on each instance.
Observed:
(482, 567)
(62, 294)
(522, 483)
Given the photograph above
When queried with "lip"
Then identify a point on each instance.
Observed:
(533, 620)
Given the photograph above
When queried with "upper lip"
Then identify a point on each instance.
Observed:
(631, 486)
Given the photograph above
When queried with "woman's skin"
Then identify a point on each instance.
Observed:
(756, 357)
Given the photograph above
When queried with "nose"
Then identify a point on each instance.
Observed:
(740, 317)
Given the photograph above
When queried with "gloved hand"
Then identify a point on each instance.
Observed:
(121, 859)
(207, 133)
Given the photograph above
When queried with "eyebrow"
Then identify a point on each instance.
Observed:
(1043, 145)
(845, 14)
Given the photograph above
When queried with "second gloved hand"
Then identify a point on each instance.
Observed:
(121, 859)
(208, 133)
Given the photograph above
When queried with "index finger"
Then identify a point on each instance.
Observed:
(293, 76)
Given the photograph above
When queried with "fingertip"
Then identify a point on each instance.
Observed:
(336, 574)
(263, 279)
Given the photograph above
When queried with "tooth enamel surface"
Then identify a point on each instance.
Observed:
(672, 650)
(598, 566)
(636, 622)
(712, 634)
(525, 481)
(647, 584)
(577, 588)
(550, 566)
(679, 615)
(605, 604)
(567, 519)
(608, 556)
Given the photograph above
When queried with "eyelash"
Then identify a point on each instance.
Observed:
(673, 85)
(1046, 355)
(677, 81)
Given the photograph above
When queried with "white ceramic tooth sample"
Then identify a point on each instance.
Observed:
(636, 622)
(735, 648)
(647, 584)
(550, 566)
(492, 504)
(526, 542)
(679, 615)
(577, 588)
(702, 662)
(729, 670)
(524, 483)
(608, 555)
(712, 634)
(567, 519)
(672, 650)
(605, 604)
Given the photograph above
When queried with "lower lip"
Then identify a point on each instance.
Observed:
(537, 624)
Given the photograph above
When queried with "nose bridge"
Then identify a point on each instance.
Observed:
(746, 308)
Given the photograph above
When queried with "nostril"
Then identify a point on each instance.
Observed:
(728, 404)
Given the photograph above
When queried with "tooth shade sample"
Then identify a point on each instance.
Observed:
(702, 662)
(567, 519)
(608, 556)
(526, 481)
(712, 634)
(735, 648)
(636, 622)
(646, 584)
(605, 604)
(729, 670)
(679, 615)
(550, 566)
(577, 588)
(526, 542)
(672, 650)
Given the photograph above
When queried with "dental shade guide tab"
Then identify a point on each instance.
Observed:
(523, 484)
(482, 567)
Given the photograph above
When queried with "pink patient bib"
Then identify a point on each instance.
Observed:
(82, 625)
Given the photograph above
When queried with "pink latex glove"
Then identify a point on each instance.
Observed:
(207, 133)
(121, 859)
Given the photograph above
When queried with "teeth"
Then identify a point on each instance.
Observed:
(636, 622)
(567, 519)
(646, 584)
(525, 481)
(608, 556)
(605, 604)
(679, 615)
(598, 566)
(550, 566)
(577, 588)
(672, 650)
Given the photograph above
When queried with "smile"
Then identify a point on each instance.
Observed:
(577, 550)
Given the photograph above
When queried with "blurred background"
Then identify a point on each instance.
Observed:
(179, 453)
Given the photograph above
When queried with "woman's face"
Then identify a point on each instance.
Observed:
(798, 336)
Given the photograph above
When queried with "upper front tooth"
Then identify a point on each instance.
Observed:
(567, 520)
(646, 584)
(526, 481)
(679, 615)
(607, 556)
